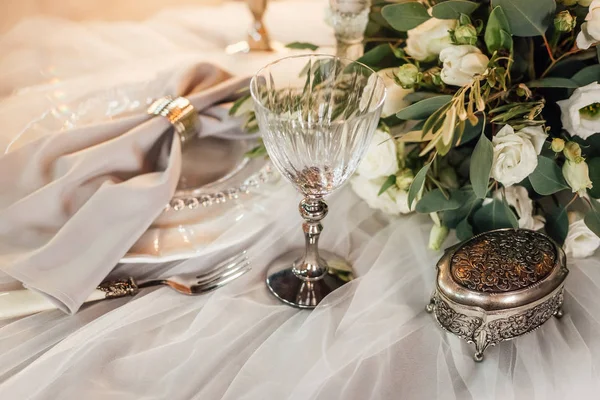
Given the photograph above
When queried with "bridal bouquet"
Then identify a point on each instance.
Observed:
(491, 119)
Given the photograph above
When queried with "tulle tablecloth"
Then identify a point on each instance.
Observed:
(368, 340)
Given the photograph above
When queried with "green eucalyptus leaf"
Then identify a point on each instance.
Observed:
(528, 17)
(512, 218)
(424, 108)
(452, 218)
(374, 57)
(471, 132)
(557, 224)
(554, 83)
(481, 166)
(453, 9)
(389, 182)
(547, 178)
(405, 16)
(464, 230)
(497, 23)
(506, 40)
(417, 184)
(592, 219)
(587, 75)
(494, 215)
(594, 166)
(302, 46)
(434, 201)
(418, 96)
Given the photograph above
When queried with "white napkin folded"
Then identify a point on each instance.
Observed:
(73, 202)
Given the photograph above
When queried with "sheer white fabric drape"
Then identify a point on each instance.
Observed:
(370, 340)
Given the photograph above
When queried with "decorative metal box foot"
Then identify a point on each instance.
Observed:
(499, 285)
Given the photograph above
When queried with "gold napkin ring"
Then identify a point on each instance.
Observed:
(180, 113)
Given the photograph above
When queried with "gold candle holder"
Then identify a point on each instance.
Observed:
(258, 37)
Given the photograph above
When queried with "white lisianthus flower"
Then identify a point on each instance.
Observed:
(515, 153)
(580, 113)
(461, 64)
(518, 198)
(577, 176)
(393, 201)
(590, 29)
(580, 242)
(394, 99)
(425, 42)
(381, 159)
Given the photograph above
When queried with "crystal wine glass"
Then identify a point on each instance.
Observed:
(317, 114)
(349, 19)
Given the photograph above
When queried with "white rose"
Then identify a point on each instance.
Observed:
(461, 64)
(381, 159)
(393, 201)
(372, 94)
(577, 176)
(515, 153)
(575, 119)
(518, 198)
(590, 30)
(394, 100)
(581, 242)
(426, 41)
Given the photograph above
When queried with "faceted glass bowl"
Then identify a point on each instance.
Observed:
(317, 114)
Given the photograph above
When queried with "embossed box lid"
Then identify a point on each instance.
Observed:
(502, 269)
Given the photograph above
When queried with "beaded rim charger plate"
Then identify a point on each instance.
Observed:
(499, 285)
(219, 189)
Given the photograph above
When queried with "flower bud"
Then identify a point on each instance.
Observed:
(407, 76)
(577, 176)
(437, 236)
(558, 145)
(523, 91)
(564, 21)
(573, 152)
(404, 179)
(433, 76)
(465, 34)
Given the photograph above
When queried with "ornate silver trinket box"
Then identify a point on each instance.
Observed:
(499, 285)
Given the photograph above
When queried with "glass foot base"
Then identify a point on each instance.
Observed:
(245, 47)
(295, 292)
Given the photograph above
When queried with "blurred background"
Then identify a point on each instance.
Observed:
(77, 10)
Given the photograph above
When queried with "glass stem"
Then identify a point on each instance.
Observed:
(311, 266)
(351, 51)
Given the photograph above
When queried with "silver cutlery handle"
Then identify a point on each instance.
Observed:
(119, 288)
(19, 303)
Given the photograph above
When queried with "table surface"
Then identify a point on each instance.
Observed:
(369, 340)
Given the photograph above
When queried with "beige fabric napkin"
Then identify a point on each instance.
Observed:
(73, 202)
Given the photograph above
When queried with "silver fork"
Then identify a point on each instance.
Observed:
(18, 303)
(190, 284)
